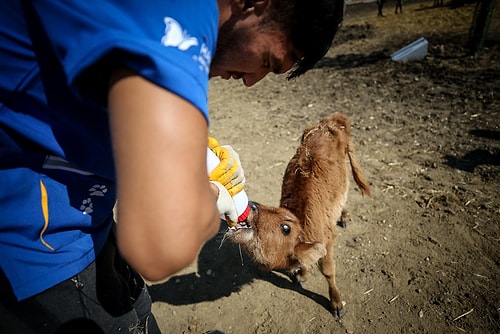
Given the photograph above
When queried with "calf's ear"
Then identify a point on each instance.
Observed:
(309, 253)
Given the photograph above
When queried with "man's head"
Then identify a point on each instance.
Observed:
(257, 37)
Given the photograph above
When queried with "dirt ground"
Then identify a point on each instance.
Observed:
(422, 254)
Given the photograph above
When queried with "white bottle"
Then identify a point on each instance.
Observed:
(240, 199)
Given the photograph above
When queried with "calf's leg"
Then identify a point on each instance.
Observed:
(327, 267)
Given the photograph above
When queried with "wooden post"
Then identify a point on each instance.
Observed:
(480, 25)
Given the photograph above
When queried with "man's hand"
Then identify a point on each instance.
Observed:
(225, 205)
(228, 172)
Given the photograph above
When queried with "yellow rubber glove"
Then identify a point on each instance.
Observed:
(228, 172)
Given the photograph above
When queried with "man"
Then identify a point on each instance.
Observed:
(105, 100)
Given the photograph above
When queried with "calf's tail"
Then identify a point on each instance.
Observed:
(357, 172)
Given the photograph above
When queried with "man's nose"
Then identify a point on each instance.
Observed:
(251, 79)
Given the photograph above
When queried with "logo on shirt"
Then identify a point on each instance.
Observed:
(97, 190)
(177, 37)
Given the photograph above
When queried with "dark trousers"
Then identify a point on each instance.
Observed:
(106, 297)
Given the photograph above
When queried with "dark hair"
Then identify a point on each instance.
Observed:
(313, 25)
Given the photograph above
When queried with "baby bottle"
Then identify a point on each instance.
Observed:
(240, 199)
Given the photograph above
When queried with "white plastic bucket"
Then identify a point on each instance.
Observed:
(414, 51)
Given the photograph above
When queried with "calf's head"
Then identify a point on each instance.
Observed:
(273, 237)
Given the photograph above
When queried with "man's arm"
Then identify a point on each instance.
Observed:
(166, 206)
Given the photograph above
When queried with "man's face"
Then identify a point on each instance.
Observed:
(247, 52)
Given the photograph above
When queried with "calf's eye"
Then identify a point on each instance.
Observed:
(285, 229)
(253, 206)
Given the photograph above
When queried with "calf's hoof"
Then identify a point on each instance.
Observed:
(337, 311)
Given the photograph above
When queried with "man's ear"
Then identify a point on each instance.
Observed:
(249, 6)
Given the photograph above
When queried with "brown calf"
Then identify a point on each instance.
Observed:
(301, 232)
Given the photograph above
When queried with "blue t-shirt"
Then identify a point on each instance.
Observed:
(57, 182)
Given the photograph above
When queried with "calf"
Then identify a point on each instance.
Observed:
(301, 231)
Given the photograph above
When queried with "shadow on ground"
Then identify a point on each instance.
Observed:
(222, 270)
(472, 159)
